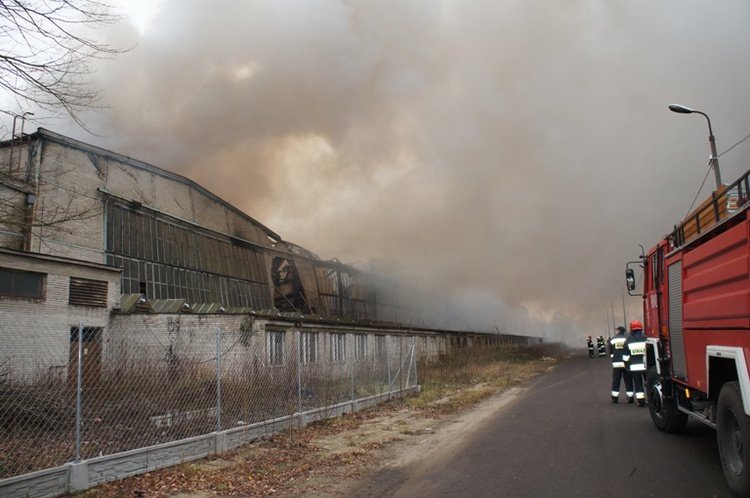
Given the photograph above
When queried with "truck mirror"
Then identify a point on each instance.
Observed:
(630, 279)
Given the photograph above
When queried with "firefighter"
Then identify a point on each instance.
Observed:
(619, 370)
(590, 345)
(600, 345)
(635, 358)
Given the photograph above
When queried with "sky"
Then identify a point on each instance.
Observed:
(511, 155)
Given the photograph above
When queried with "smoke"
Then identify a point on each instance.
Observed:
(510, 154)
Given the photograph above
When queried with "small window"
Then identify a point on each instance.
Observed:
(360, 346)
(84, 292)
(338, 348)
(308, 350)
(24, 284)
(275, 347)
(381, 347)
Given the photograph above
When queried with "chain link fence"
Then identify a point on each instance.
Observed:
(73, 393)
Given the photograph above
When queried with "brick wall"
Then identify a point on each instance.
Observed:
(36, 332)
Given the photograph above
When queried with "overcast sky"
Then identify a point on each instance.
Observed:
(515, 152)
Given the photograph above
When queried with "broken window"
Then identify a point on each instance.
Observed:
(342, 293)
(165, 258)
(289, 295)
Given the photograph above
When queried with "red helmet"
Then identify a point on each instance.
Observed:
(636, 325)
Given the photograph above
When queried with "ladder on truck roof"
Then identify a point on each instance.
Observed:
(724, 203)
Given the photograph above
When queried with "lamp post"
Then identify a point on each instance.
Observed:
(681, 109)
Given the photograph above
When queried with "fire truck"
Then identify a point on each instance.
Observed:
(696, 310)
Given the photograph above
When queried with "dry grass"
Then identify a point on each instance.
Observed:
(318, 459)
(461, 379)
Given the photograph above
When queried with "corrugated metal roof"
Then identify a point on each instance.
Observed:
(209, 308)
(128, 301)
(167, 305)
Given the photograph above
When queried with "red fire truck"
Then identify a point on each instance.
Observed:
(696, 309)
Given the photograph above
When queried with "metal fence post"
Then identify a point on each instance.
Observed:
(389, 339)
(352, 357)
(79, 392)
(218, 379)
(414, 360)
(299, 377)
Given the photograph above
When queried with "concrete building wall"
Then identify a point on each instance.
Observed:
(237, 226)
(12, 201)
(68, 210)
(154, 340)
(171, 198)
(72, 180)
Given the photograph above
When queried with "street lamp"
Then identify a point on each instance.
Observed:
(681, 109)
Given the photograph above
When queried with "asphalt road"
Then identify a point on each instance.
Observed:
(563, 437)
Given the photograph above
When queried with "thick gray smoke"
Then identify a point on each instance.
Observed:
(512, 154)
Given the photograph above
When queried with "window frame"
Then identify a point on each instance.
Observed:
(360, 346)
(338, 348)
(308, 348)
(10, 275)
(275, 347)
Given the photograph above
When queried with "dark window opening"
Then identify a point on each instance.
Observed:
(22, 284)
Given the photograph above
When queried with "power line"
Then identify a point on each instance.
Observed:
(703, 183)
(701, 187)
(733, 146)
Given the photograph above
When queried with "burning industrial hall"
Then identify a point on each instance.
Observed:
(149, 322)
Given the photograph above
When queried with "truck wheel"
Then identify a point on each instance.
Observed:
(663, 409)
(733, 438)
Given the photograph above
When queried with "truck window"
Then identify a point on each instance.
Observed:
(657, 269)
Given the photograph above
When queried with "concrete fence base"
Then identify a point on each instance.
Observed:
(76, 477)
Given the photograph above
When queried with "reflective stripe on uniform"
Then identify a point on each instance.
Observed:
(615, 394)
(618, 364)
(630, 394)
(618, 342)
(638, 367)
(640, 396)
(637, 348)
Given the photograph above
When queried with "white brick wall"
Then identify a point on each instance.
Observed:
(36, 333)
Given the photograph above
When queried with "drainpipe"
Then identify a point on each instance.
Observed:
(36, 157)
(28, 222)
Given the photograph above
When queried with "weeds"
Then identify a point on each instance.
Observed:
(294, 463)
(468, 376)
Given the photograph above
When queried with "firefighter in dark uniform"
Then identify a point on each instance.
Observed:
(590, 345)
(635, 358)
(600, 345)
(619, 370)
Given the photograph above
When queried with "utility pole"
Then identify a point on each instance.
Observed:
(714, 159)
